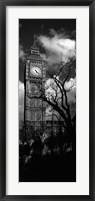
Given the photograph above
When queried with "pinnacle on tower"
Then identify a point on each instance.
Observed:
(34, 46)
(35, 50)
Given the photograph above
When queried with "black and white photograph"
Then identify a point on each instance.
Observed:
(47, 100)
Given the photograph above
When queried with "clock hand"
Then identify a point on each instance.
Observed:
(36, 71)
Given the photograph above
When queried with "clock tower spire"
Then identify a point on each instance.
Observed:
(34, 43)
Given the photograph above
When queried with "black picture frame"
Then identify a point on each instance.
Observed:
(3, 4)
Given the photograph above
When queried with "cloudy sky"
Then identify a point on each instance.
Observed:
(56, 39)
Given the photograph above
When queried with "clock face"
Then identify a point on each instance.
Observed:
(35, 71)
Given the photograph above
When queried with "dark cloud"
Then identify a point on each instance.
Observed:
(20, 25)
(22, 60)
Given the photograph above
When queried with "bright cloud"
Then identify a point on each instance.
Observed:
(58, 48)
(70, 85)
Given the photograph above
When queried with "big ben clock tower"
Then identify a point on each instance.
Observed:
(35, 77)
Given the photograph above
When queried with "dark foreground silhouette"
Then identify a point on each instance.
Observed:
(48, 168)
